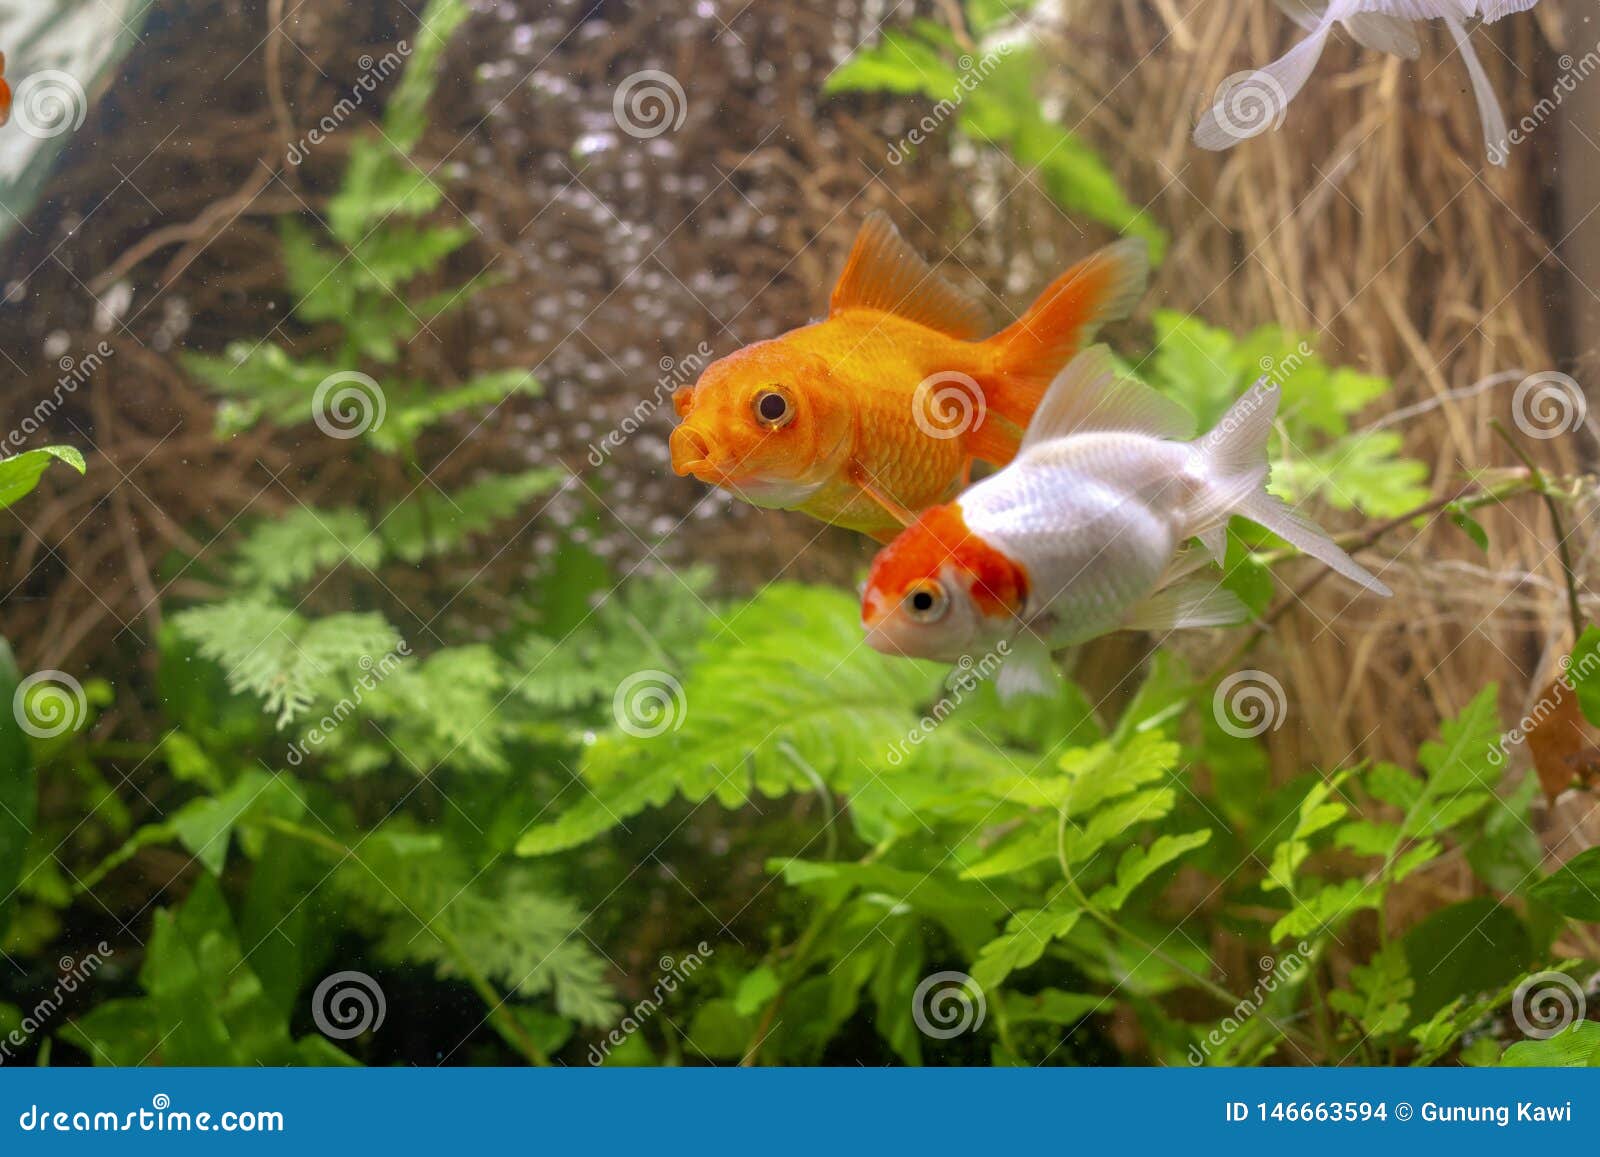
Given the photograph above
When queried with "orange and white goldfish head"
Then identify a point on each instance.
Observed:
(766, 423)
(939, 591)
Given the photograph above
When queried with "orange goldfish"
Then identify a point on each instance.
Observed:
(879, 411)
(5, 92)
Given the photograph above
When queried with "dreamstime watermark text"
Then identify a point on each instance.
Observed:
(374, 72)
(673, 973)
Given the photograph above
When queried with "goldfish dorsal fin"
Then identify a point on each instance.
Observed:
(1089, 395)
(885, 273)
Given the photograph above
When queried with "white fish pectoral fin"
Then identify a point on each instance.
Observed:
(1215, 542)
(1195, 603)
(1027, 670)
(1495, 132)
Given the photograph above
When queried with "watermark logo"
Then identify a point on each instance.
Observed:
(72, 973)
(673, 973)
(50, 103)
(1547, 1003)
(74, 373)
(948, 404)
(48, 704)
(969, 674)
(947, 1004)
(1275, 972)
(347, 1004)
(373, 73)
(649, 703)
(373, 672)
(1249, 703)
(348, 404)
(675, 372)
(1547, 405)
(1573, 72)
(973, 73)
(1250, 103)
(648, 103)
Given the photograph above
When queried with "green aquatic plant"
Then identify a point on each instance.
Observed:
(512, 837)
(987, 91)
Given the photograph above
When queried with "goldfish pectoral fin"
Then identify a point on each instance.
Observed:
(1195, 603)
(995, 439)
(885, 273)
(882, 497)
(966, 472)
(1027, 670)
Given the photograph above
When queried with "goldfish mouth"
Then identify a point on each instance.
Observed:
(694, 455)
(691, 454)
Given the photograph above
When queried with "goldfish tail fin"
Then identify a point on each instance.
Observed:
(1027, 354)
(1235, 454)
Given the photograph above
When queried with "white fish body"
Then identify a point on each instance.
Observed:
(1096, 520)
(1103, 497)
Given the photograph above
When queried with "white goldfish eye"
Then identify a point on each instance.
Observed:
(773, 409)
(926, 601)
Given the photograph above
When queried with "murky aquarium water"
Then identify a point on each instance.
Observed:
(778, 533)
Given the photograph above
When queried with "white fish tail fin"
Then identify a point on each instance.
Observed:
(1496, 137)
(1273, 513)
(1193, 603)
(1235, 460)
(1235, 457)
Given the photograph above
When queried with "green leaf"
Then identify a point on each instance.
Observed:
(1575, 1047)
(1472, 528)
(20, 473)
(1052, 1006)
(1583, 671)
(782, 696)
(289, 661)
(433, 522)
(1027, 935)
(204, 1005)
(18, 791)
(1325, 906)
(1378, 994)
(1463, 950)
(284, 551)
(1139, 864)
(1574, 888)
(755, 989)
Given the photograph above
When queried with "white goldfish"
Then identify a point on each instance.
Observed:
(1249, 103)
(1085, 532)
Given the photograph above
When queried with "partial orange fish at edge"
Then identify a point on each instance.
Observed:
(829, 419)
(5, 92)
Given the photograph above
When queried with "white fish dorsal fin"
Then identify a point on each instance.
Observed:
(1193, 603)
(1089, 395)
(885, 273)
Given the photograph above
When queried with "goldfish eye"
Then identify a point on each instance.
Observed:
(926, 601)
(773, 409)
